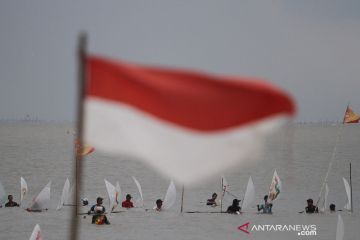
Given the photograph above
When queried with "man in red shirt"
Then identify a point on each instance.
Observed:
(127, 203)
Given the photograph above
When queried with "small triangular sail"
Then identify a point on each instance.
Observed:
(2, 195)
(39, 202)
(117, 193)
(36, 234)
(23, 189)
(112, 195)
(71, 196)
(325, 198)
(170, 196)
(275, 187)
(249, 196)
(340, 228)
(350, 116)
(140, 201)
(347, 189)
(64, 194)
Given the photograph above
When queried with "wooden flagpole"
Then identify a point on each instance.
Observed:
(351, 195)
(81, 54)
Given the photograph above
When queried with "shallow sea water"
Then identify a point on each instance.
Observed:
(41, 152)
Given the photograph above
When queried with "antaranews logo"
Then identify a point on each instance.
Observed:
(301, 230)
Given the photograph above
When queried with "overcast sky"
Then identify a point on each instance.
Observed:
(310, 48)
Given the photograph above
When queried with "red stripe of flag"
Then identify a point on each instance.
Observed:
(189, 99)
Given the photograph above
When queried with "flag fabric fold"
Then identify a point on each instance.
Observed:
(185, 124)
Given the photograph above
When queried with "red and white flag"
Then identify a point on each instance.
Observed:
(185, 124)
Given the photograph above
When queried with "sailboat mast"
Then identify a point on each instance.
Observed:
(222, 195)
(182, 199)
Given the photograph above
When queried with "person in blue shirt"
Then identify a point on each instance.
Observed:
(98, 210)
(266, 207)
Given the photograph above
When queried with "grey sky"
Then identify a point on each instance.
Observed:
(309, 48)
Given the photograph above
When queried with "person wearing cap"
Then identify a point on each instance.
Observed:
(234, 208)
(311, 208)
(98, 210)
(212, 201)
(158, 205)
(266, 207)
(127, 203)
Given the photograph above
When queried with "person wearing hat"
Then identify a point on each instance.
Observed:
(234, 208)
(311, 208)
(158, 205)
(98, 210)
(127, 203)
(266, 207)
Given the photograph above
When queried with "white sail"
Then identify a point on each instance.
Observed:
(2, 195)
(340, 228)
(347, 189)
(36, 234)
(224, 186)
(275, 187)
(71, 196)
(170, 196)
(325, 198)
(140, 201)
(117, 193)
(249, 196)
(112, 195)
(64, 194)
(39, 202)
(23, 189)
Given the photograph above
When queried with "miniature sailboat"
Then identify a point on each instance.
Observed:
(113, 194)
(340, 228)
(36, 234)
(350, 116)
(275, 187)
(170, 196)
(64, 194)
(140, 201)
(249, 196)
(23, 189)
(39, 202)
(348, 193)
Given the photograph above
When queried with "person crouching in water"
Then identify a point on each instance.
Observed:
(212, 201)
(311, 208)
(98, 209)
(11, 203)
(127, 203)
(266, 207)
(158, 206)
(234, 208)
(332, 207)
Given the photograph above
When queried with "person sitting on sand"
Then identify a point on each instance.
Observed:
(158, 206)
(234, 208)
(98, 209)
(266, 207)
(11, 203)
(332, 208)
(212, 201)
(311, 208)
(127, 203)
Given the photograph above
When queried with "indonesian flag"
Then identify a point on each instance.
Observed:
(185, 124)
